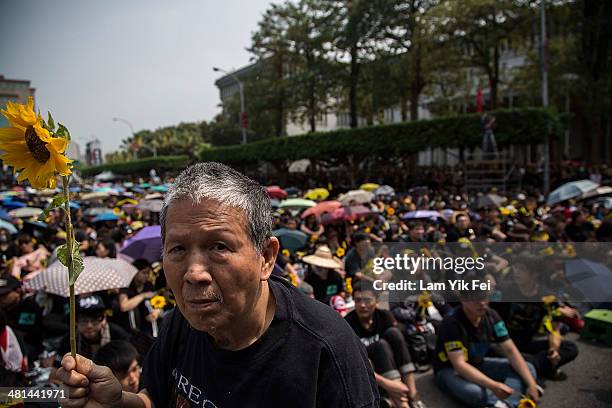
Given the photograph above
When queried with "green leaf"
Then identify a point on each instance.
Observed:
(77, 261)
(50, 121)
(62, 131)
(58, 201)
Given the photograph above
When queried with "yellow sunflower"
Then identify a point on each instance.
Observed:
(158, 302)
(29, 146)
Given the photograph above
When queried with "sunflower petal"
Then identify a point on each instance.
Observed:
(58, 144)
(11, 135)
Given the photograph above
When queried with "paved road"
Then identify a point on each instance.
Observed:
(589, 382)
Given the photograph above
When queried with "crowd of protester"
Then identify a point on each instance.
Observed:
(480, 352)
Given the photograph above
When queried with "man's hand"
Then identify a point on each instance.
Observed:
(532, 392)
(89, 385)
(501, 390)
(554, 356)
(398, 392)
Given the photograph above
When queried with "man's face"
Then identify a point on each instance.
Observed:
(211, 264)
(131, 381)
(417, 232)
(363, 245)
(463, 222)
(90, 326)
(365, 304)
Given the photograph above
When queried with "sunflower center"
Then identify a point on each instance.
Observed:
(36, 146)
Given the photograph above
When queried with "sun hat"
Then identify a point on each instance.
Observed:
(322, 258)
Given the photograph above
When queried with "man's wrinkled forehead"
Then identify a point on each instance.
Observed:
(217, 212)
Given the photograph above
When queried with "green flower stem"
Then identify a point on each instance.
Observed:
(69, 241)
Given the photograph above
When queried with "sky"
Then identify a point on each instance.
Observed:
(146, 61)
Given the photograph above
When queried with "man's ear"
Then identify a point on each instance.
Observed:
(269, 257)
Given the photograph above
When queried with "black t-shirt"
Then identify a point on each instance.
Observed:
(135, 319)
(381, 321)
(308, 357)
(458, 333)
(324, 289)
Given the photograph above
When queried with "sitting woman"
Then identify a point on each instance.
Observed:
(136, 313)
(312, 226)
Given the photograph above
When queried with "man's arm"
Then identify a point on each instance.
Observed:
(468, 371)
(520, 366)
(140, 400)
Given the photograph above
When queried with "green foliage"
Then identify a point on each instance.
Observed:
(141, 166)
(77, 262)
(513, 127)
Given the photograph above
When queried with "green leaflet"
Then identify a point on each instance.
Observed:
(77, 261)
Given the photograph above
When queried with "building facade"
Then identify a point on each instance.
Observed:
(14, 90)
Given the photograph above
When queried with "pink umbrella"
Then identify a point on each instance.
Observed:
(276, 192)
(347, 214)
(321, 208)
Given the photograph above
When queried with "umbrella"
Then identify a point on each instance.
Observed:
(276, 192)
(97, 195)
(99, 274)
(274, 203)
(369, 186)
(291, 239)
(160, 189)
(8, 226)
(347, 214)
(105, 176)
(4, 215)
(106, 217)
(592, 279)
(154, 196)
(95, 211)
(11, 205)
(297, 203)
(570, 190)
(605, 202)
(137, 190)
(145, 185)
(420, 214)
(599, 191)
(317, 194)
(322, 207)
(146, 244)
(292, 191)
(490, 200)
(26, 212)
(384, 191)
(356, 197)
(126, 201)
(151, 205)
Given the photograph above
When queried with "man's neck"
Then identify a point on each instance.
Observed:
(251, 326)
(474, 319)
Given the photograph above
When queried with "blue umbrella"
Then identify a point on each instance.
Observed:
(8, 226)
(422, 214)
(4, 215)
(11, 205)
(291, 239)
(161, 189)
(146, 244)
(105, 217)
(570, 190)
(75, 205)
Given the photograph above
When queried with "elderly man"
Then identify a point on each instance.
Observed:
(239, 337)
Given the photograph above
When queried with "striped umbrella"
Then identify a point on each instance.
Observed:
(99, 274)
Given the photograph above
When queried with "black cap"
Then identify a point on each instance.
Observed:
(8, 283)
(91, 305)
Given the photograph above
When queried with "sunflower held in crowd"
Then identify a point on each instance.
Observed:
(34, 147)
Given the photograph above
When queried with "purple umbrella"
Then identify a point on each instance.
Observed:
(431, 215)
(146, 244)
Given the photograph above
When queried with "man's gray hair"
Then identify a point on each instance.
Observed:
(216, 181)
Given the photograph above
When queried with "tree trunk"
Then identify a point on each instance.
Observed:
(279, 125)
(312, 114)
(354, 78)
(494, 78)
(404, 107)
(416, 86)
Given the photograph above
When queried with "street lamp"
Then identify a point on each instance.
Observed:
(242, 112)
(154, 150)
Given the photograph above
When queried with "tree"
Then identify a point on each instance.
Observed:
(480, 27)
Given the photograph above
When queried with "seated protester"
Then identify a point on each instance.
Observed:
(386, 347)
(358, 256)
(461, 366)
(122, 358)
(23, 315)
(13, 359)
(525, 319)
(135, 312)
(93, 331)
(326, 282)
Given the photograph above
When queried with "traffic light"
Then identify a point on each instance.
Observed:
(244, 120)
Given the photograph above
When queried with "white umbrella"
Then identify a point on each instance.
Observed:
(99, 274)
(151, 205)
(25, 212)
(571, 190)
(96, 195)
(356, 197)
